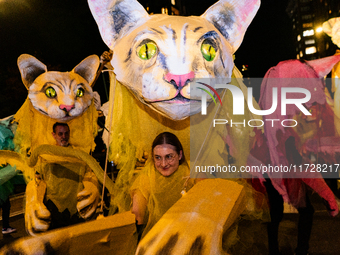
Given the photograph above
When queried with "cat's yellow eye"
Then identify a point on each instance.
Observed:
(80, 92)
(208, 51)
(50, 92)
(147, 50)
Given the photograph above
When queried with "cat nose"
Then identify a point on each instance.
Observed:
(179, 80)
(66, 108)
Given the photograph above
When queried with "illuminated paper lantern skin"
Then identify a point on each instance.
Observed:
(181, 49)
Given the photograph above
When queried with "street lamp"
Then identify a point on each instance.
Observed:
(319, 29)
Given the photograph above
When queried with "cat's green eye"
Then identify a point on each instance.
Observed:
(147, 50)
(208, 51)
(50, 92)
(80, 92)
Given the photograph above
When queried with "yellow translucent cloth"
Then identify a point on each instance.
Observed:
(161, 192)
(63, 169)
(35, 128)
(63, 179)
(135, 126)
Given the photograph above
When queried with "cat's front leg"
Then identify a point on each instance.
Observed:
(88, 198)
(37, 217)
(196, 223)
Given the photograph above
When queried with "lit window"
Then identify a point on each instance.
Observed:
(301, 54)
(308, 32)
(299, 38)
(310, 41)
(306, 25)
(164, 10)
(310, 50)
(297, 56)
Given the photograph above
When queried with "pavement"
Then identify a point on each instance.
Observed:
(324, 239)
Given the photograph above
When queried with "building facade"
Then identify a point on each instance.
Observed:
(307, 18)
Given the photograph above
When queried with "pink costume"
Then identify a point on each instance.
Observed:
(297, 74)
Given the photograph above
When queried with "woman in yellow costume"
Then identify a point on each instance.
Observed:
(160, 184)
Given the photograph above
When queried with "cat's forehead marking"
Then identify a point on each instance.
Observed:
(157, 31)
(196, 29)
(66, 82)
(172, 32)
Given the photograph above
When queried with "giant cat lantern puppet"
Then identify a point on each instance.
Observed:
(156, 59)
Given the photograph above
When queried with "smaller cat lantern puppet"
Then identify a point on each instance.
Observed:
(55, 174)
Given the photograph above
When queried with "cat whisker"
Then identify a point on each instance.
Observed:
(107, 70)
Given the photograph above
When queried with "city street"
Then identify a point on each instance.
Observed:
(324, 239)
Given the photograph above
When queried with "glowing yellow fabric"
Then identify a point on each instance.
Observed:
(70, 162)
(135, 125)
(35, 129)
(161, 192)
(63, 185)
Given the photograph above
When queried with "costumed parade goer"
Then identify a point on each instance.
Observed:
(332, 29)
(287, 145)
(9, 176)
(159, 185)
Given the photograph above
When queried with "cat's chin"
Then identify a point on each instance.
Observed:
(66, 118)
(62, 119)
(177, 111)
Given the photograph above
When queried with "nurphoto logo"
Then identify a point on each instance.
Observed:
(239, 103)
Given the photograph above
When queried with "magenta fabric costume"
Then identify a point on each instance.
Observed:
(294, 145)
(308, 75)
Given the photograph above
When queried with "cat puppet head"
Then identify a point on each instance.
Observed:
(157, 56)
(59, 95)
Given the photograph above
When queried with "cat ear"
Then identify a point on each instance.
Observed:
(88, 68)
(115, 18)
(323, 66)
(30, 68)
(232, 18)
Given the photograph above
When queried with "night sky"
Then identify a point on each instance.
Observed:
(61, 33)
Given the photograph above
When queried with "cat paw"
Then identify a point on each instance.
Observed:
(88, 200)
(196, 222)
(37, 218)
